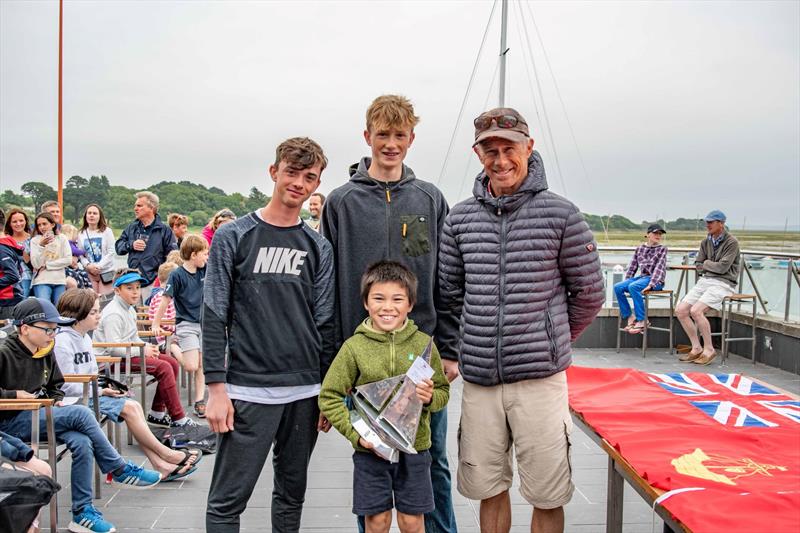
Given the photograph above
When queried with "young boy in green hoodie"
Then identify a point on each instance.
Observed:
(385, 345)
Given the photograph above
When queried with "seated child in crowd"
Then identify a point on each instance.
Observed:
(155, 301)
(184, 289)
(118, 324)
(28, 369)
(385, 345)
(75, 356)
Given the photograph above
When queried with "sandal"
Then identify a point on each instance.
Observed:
(188, 453)
(200, 408)
(176, 474)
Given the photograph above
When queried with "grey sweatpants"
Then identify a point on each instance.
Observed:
(291, 430)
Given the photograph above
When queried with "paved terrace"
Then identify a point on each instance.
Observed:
(180, 507)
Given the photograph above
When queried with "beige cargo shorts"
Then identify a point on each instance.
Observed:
(528, 420)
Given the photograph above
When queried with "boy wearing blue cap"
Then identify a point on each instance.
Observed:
(717, 265)
(118, 324)
(28, 369)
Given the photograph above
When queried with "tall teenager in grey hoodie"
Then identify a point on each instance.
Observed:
(385, 213)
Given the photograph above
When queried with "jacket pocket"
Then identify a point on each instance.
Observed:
(414, 235)
(551, 338)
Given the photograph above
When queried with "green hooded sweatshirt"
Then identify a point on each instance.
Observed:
(371, 355)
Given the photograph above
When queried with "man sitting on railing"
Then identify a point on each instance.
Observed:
(28, 370)
(717, 265)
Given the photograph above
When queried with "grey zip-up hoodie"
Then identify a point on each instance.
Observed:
(367, 221)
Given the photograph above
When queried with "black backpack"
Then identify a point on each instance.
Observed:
(22, 494)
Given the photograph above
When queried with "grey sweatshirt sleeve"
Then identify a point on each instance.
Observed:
(216, 304)
(64, 352)
(579, 263)
(328, 229)
(324, 285)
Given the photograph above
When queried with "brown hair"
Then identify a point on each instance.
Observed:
(164, 271)
(76, 303)
(191, 244)
(176, 219)
(219, 216)
(300, 153)
(15, 211)
(48, 217)
(125, 270)
(102, 223)
(175, 257)
(386, 272)
(391, 110)
(321, 197)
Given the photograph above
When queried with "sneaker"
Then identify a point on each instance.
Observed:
(137, 477)
(163, 422)
(89, 520)
(189, 424)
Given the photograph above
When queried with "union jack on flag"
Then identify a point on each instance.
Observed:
(679, 384)
(788, 408)
(742, 385)
(730, 414)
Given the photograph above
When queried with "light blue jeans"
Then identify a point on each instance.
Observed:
(75, 426)
(634, 287)
(46, 291)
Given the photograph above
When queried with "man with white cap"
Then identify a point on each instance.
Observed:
(718, 266)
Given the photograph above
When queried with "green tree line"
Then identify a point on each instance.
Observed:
(200, 203)
(196, 201)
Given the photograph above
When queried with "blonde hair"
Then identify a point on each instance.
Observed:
(192, 244)
(391, 111)
(176, 219)
(165, 270)
(175, 257)
(69, 231)
(219, 216)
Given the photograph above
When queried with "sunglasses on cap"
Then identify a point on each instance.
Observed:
(503, 121)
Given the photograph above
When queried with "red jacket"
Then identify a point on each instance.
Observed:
(10, 271)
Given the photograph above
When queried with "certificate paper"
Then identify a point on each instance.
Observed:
(420, 371)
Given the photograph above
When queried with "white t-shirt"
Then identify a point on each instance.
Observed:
(271, 395)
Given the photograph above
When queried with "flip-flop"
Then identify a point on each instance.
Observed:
(187, 454)
(175, 474)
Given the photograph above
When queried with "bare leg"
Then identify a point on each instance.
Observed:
(548, 520)
(192, 363)
(378, 523)
(683, 313)
(157, 453)
(698, 314)
(496, 514)
(410, 523)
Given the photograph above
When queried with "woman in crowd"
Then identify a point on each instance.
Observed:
(17, 225)
(221, 217)
(50, 256)
(74, 354)
(97, 239)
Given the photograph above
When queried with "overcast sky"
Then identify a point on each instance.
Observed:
(676, 107)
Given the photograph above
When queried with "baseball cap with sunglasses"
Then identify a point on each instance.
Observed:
(503, 123)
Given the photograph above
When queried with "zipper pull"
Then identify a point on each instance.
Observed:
(388, 196)
(405, 229)
(499, 210)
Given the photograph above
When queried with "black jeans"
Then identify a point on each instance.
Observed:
(291, 430)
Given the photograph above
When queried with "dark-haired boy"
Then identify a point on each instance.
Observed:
(385, 213)
(385, 345)
(267, 343)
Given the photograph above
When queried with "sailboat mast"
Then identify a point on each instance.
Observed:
(503, 50)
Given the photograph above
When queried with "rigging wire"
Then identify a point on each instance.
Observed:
(566, 115)
(464, 178)
(466, 95)
(560, 98)
(544, 108)
(525, 59)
